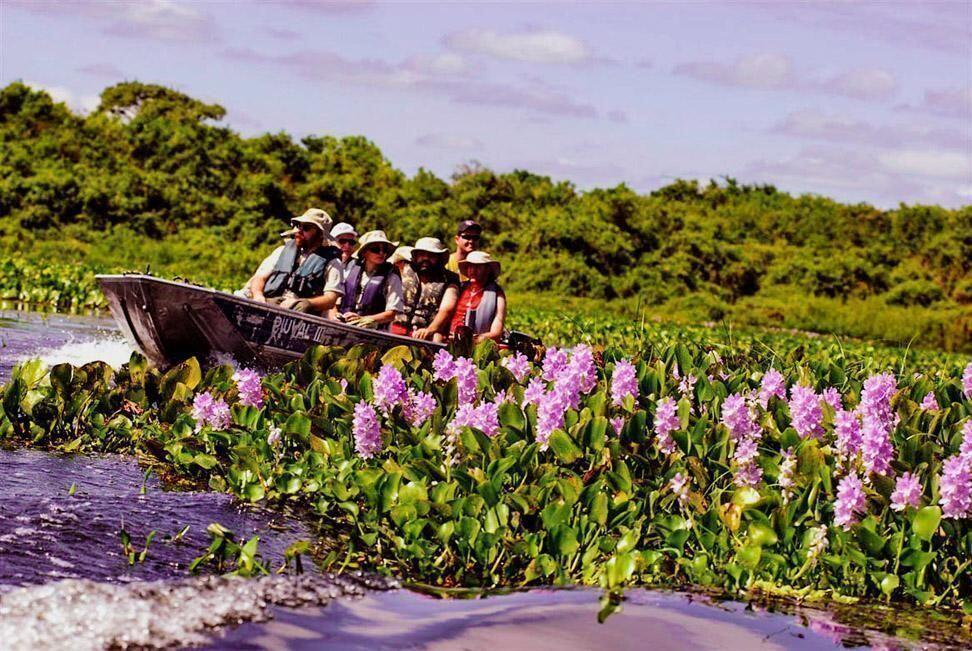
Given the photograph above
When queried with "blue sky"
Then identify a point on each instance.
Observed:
(860, 101)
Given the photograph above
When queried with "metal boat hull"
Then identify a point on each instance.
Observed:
(170, 321)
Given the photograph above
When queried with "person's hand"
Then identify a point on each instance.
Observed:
(260, 299)
(423, 333)
(365, 322)
(350, 317)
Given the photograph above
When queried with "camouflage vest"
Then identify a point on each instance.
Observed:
(422, 300)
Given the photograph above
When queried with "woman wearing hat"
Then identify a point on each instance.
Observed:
(430, 292)
(371, 291)
(481, 307)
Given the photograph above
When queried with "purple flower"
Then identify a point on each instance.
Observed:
(273, 438)
(666, 421)
(772, 386)
(209, 411)
(444, 366)
(550, 415)
(679, 484)
(907, 492)
(787, 472)
(967, 381)
(518, 365)
(536, 388)
(955, 487)
(582, 364)
(748, 471)
(929, 402)
(465, 417)
(389, 388)
(876, 448)
(418, 407)
(553, 363)
(344, 385)
(847, 428)
(851, 501)
(617, 424)
(467, 377)
(487, 419)
(737, 417)
(624, 382)
(805, 412)
(367, 433)
(832, 397)
(248, 384)
(966, 449)
(876, 400)
(687, 384)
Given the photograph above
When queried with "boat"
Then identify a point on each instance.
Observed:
(169, 321)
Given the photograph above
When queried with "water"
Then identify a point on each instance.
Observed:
(58, 338)
(65, 583)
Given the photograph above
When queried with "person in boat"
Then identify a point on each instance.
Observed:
(468, 236)
(401, 257)
(294, 275)
(370, 294)
(481, 306)
(430, 292)
(346, 238)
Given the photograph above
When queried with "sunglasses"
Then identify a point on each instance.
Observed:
(346, 240)
(377, 249)
(305, 228)
(470, 237)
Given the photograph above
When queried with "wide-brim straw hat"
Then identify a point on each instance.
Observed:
(401, 254)
(314, 216)
(480, 258)
(434, 246)
(374, 237)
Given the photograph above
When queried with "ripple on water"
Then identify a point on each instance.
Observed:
(45, 533)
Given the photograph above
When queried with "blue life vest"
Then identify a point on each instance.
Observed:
(372, 297)
(305, 281)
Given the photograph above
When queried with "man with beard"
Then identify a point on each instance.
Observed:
(430, 292)
(295, 274)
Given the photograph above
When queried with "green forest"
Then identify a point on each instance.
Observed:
(153, 178)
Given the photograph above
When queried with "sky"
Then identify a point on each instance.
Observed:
(858, 101)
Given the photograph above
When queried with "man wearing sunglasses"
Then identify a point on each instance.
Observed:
(295, 274)
(468, 236)
(346, 239)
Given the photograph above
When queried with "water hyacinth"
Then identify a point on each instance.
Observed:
(624, 382)
(847, 429)
(832, 397)
(955, 487)
(554, 362)
(738, 418)
(679, 485)
(851, 501)
(806, 415)
(907, 492)
(486, 419)
(966, 449)
(389, 388)
(746, 457)
(518, 365)
(536, 388)
(786, 480)
(418, 407)
(583, 365)
(467, 378)
(366, 430)
(443, 366)
(818, 542)
(876, 448)
(617, 424)
(687, 384)
(550, 415)
(666, 422)
(209, 411)
(250, 387)
(967, 381)
(274, 436)
(930, 402)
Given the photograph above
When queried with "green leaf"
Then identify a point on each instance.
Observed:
(298, 423)
(205, 461)
(563, 446)
(926, 522)
(565, 539)
(599, 508)
(397, 356)
(889, 584)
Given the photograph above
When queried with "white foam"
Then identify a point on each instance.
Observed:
(82, 614)
(113, 351)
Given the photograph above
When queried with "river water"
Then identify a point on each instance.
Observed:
(65, 581)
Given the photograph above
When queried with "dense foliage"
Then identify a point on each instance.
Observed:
(801, 471)
(151, 178)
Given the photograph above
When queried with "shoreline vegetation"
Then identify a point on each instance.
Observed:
(152, 179)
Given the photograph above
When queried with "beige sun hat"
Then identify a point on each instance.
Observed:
(431, 245)
(402, 253)
(374, 237)
(314, 216)
(480, 257)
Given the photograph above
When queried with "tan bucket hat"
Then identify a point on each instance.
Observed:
(480, 257)
(431, 245)
(314, 216)
(375, 237)
(400, 254)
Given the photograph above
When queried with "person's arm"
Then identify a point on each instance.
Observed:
(499, 321)
(259, 279)
(440, 323)
(333, 289)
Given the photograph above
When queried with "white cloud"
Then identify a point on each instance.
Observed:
(76, 102)
(816, 125)
(947, 102)
(863, 83)
(939, 164)
(533, 46)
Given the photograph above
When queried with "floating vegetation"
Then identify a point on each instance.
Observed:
(731, 468)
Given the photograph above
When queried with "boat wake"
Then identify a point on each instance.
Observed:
(113, 350)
